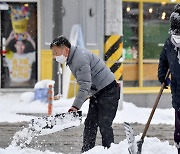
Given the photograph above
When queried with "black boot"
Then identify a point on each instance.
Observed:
(178, 147)
(178, 150)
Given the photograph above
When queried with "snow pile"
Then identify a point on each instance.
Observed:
(27, 97)
(44, 84)
(8, 105)
(150, 146)
(40, 92)
(23, 138)
(132, 113)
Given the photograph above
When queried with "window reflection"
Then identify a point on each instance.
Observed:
(156, 25)
(130, 30)
(155, 32)
(130, 43)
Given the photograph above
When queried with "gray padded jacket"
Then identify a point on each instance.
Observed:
(90, 72)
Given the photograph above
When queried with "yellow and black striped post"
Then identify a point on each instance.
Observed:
(113, 51)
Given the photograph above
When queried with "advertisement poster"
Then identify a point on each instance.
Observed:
(19, 30)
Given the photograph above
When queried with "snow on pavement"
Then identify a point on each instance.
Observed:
(18, 150)
(13, 103)
(150, 146)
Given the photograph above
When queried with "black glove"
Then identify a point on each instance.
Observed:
(167, 82)
(73, 108)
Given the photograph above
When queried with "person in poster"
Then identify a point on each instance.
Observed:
(20, 63)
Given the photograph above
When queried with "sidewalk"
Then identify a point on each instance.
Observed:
(147, 100)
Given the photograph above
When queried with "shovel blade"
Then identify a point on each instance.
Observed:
(134, 147)
(130, 138)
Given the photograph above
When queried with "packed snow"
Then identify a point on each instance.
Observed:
(14, 105)
(150, 146)
(19, 150)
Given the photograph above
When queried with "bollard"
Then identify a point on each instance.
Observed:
(50, 99)
(120, 104)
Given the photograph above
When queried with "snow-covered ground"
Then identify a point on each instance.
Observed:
(13, 103)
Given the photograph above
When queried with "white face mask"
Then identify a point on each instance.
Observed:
(176, 38)
(61, 59)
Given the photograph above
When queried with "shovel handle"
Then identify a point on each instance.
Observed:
(154, 107)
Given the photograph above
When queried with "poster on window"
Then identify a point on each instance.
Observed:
(19, 29)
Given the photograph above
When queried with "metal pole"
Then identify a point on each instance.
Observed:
(0, 49)
(57, 16)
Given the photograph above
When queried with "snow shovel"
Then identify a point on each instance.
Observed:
(44, 125)
(136, 147)
(48, 122)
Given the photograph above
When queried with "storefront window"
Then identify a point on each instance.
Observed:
(130, 30)
(130, 43)
(155, 32)
(19, 32)
(156, 25)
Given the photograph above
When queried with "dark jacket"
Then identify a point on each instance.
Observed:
(168, 59)
(90, 72)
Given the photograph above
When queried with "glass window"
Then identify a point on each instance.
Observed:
(155, 32)
(130, 43)
(156, 26)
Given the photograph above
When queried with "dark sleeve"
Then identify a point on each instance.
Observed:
(163, 62)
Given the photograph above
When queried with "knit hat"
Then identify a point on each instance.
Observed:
(177, 8)
(175, 21)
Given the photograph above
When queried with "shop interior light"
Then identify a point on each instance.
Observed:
(150, 10)
(173, 0)
(163, 15)
(26, 4)
(128, 9)
(163, 3)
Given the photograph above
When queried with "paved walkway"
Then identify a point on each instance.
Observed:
(69, 141)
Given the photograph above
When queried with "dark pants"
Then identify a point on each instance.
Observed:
(102, 110)
(177, 130)
(177, 127)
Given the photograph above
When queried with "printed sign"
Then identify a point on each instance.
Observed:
(19, 28)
